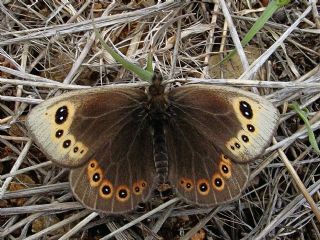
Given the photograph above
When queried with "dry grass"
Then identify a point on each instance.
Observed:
(49, 45)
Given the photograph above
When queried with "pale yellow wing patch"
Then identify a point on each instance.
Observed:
(49, 124)
(258, 119)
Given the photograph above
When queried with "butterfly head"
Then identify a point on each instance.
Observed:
(156, 88)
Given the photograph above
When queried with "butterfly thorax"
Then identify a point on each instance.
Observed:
(157, 103)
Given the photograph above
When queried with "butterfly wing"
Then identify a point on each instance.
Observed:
(103, 136)
(239, 123)
(212, 133)
(199, 171)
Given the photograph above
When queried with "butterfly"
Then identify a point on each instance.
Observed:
(121, 142)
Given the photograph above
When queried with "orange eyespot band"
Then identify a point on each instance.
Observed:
(186, 183)
(123, 193)
(217, 182)
(92, 164)
(225, 169)
(203, 187)
(139, 186)
(106, 189)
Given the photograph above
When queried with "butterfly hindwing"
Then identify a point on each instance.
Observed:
(126, 165)
(199, 171)
(240, 124)
(102, 135)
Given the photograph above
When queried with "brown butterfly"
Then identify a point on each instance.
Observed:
(121, 141)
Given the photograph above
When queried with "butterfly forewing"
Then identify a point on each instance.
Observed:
(240, 124)
(55, 122)
(103, 133)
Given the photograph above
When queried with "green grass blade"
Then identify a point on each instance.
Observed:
(149, 63)
(266, 15)
(141, 73)
(303, 116)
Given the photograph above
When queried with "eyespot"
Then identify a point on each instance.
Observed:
(61, 115)
(246, 109)
(225, 159)
(186, 184)
(203, 187)
(106, 189)
(137, 189)
(95, 176)
(225, 169)
(75, 149)
(237, 145)
(143, 184)
(217, 182)
(66, 143)
(250, 128)
(59, 133)
(123, 193)
(245, 138)
(92, 164)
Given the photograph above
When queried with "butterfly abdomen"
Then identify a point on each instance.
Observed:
(160, 153)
